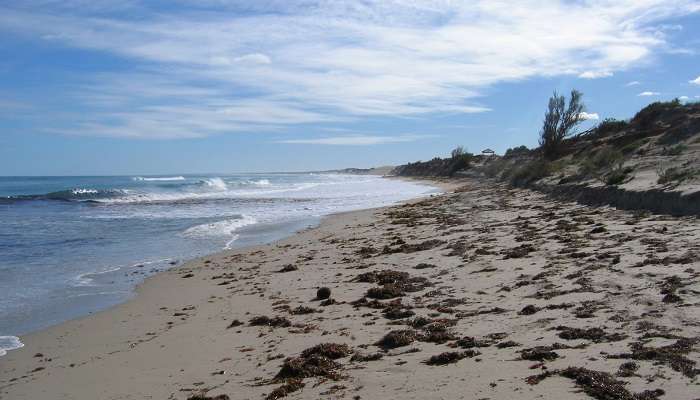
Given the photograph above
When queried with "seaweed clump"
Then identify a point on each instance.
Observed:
(672, 355)
(292, 385)
(274, 322)
(329, 350)
(397, 338)
(450, 357)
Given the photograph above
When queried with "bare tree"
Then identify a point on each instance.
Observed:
(559, 122)
(457, 152)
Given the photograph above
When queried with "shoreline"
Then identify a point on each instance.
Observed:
(179, 335)
(274, 231)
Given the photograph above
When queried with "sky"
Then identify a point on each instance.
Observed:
(91, 87)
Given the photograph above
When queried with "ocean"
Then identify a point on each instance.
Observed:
(70, 246)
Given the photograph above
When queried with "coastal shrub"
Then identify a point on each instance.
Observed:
(674, 175)
(617, 176)
(603, 159)
(633, 147)
(610, 125)
(559, 122)
(517, 152)
(530, 172)
(674, 150)
(648, 115)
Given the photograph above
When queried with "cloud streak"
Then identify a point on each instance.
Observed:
(228, 66)
(357, 140)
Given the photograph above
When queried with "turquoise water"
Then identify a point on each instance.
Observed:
(70, 246)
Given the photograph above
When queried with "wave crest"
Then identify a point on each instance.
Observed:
(156, 179)
(9, 343)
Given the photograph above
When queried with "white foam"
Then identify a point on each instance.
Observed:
(165, 178)
(81, 191)
(8, 343)
(215, 183)
(226, 227)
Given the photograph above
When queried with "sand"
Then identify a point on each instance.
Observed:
(493, 273)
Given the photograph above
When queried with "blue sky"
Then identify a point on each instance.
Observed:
(160, 87)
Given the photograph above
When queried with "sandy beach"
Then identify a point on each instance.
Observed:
(484, 292)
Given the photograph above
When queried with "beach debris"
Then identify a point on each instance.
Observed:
(518, 252)
(292, 385)
(307, 367)
(302, 310)
(275, 322)
(323, 293)
(388, 291)
(288, 268)
(362, 357)
(603, 386)
(627, 369)
(329, 350)
(450, 357)
(529, 310)
(397, 338)
(539, 353)
(597, 335)
(235, 323)
(203, 396)
(673, 355)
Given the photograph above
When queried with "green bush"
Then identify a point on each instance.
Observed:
(674, 150)
(648, 115)
(674, 175)
(603, 159)
(610, 125)
(617, 176)
(530, 172)
(517, 151)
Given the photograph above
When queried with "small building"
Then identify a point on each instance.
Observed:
(488, 152)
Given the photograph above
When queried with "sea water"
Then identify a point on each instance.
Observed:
(70, 246)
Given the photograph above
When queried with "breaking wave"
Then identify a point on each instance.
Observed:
(157, 179)
(8, 343)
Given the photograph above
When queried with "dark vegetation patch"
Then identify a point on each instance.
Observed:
(235, 323)
(274, 322)
(329, 350)
(362, 357)
(205, 397)
(301, 310)
(603, 386)
(397, 338)
(597, 384)
(289, 268)
(413, 247)
(292, 385)
(425, 266)
(519, 252)
(673, 355)
(450, 357)
(597, 335)
(627, 369)
(307, 367)
(323, 293)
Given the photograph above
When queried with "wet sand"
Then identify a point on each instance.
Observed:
(483, 293)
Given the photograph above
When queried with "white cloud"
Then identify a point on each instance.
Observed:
(298, 62)
(595, 74)
(648, 93)
(633, 83)
(356, 140)
(589, 116)
(695, 81)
